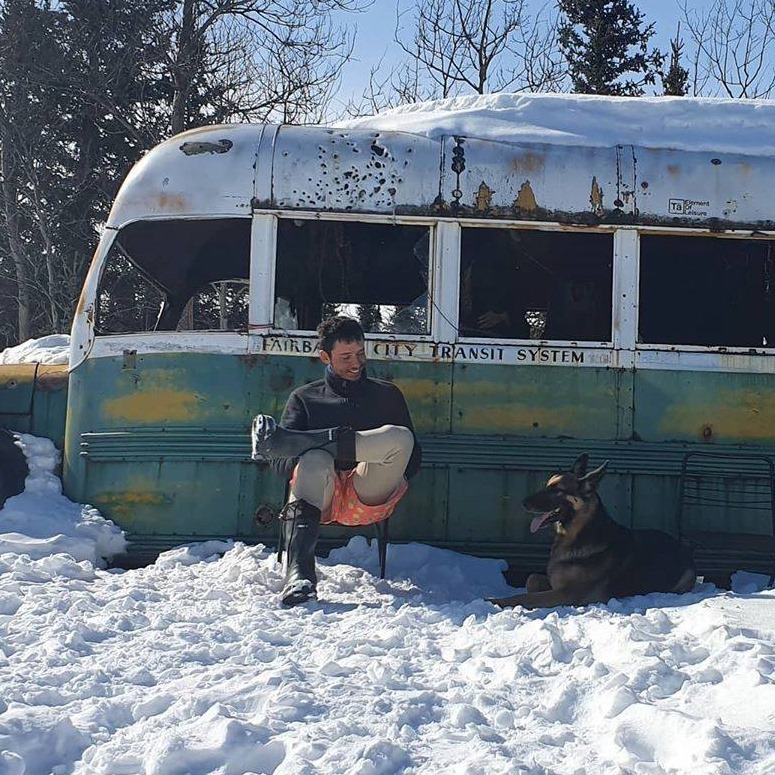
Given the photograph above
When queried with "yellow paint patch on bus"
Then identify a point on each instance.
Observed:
(122, 505)
(516, 418)
(153, 406)
(741, 415)
(421, 390)
(15, 374)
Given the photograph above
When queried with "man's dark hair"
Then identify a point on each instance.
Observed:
(338, 328)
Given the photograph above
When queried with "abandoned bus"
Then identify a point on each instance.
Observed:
(535, 294)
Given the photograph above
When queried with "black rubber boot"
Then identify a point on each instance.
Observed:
(271, 440)
(301, 525)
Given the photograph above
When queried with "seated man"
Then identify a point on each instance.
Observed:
(349, 444)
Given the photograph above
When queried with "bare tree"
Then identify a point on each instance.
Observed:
(87, 85)
(453, 47)
(733, 43)
(254, 59)
(480, 46)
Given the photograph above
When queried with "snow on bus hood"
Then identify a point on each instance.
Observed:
(688, 123)
(52, 349)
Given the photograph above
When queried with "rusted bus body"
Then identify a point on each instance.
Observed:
(620, 259)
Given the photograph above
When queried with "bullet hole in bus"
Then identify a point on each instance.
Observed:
(530, 284)
(710, 291)
(176, 275)
(375, 272)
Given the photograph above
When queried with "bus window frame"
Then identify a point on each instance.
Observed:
(263, 265)
(694, 357)
(555, 227)
(443, 282)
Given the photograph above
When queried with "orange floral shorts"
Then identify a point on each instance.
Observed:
(347, 509)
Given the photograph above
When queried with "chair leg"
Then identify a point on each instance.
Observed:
(382, 542)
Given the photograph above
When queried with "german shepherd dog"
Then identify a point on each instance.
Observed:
(594, 558)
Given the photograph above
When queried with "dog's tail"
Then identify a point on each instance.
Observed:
(686, 582)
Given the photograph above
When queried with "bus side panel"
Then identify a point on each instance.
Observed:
(731, 414)
(17, 386)
(160, 442)
(33, 399)
(705, 407)
(536, 401)
(49, 403)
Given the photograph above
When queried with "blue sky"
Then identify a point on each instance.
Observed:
(375, 30)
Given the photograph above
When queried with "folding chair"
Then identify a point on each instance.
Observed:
(708, 479)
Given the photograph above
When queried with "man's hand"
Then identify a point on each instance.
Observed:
(491, 319)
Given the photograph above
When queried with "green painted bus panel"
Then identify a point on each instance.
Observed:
(705, 407)
(49, 403)
(161, 445)
(161, 442)
(422, 514)
(427, 388)
(258, 486)
(488, 503)
(194, 499)
(17, 386)
(536, 401)
(33, 399)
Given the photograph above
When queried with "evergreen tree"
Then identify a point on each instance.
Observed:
(30, 159)
(675, 82)
(606, 47)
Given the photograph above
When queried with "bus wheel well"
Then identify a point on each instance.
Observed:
(13, 466)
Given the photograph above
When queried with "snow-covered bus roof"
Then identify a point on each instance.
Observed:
(678, 123)
(543, 157)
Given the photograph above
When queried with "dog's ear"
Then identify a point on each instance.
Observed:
(592, 479)
(579, 467)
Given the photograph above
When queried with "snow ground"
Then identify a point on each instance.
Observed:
(191, 666)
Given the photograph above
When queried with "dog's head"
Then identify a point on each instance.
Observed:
(565, 496)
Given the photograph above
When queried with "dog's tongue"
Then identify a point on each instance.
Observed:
(538, 522)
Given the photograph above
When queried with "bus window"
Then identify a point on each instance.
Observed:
(127, 301)
(176, 274)
(706, 291)
(527, 284)
(373, 271)
(222, 305)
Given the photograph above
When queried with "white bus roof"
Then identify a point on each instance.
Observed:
(566, 158)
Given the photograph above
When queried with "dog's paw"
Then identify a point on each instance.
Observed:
(501, 602)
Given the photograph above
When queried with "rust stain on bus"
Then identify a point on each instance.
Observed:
(172, 202)
(529, 162)
(52, 377)
(15, 374)
(153, 405)
(596, 197)
(483, 198)
(526, 199)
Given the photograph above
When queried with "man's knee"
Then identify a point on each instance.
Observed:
(314, 463)
(399, 437)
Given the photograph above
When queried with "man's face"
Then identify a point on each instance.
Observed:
(347, 359)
